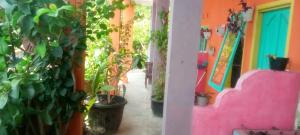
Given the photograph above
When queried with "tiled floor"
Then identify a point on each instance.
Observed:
(138, 118)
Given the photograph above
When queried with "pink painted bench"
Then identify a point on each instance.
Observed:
(265, 132)
(261, 100)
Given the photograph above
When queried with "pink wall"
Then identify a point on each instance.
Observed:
(261, 100)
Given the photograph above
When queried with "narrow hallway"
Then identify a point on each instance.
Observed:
(138, 118)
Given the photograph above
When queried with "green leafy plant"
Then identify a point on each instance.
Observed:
(161, 39)
(235, 18)
(37, 91)
(104, 63)
(141, 37)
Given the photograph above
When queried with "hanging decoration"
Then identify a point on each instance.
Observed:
(221, 30)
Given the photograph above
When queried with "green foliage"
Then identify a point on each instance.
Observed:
(159, 86)
(103, 63)
(98, 29)
(141, 36)
(160, 37)
(98, 14)
(37, 93)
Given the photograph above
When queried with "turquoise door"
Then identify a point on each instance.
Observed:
(273, 35)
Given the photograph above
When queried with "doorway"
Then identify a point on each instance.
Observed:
(237, 64)
(271, 32)
(273, 35)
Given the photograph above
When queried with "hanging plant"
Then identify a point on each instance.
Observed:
(234, 21)
(221, 30)
(205, 32)
(237, 18)
(247, 11)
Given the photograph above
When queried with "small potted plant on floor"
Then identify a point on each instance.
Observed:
(107, 110)
(105, 66)
(106, 100)
(157, 102)
(278, 63)
(202, 99)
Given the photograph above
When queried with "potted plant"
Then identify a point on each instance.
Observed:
(247, 12)
(105, 67)
(221, 30)
(202, 99)
(205, 32)
(158, 95)
(278, 63)
(106, 102)
(211, 51)
(161, 39)
(37, 84)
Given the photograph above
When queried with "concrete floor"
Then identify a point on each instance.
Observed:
(138, 118)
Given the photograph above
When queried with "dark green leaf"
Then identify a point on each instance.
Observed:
(108, 88)
(27, 25)
(3, 63)
(57, 52)
(15, 88)
(103, 26)
(63, 92)
(25, 8)
(3, 100)
(39, 13)
(77, 96)
(30, 92)
(46, 117)
(3, 130)
(16, 17)
(3, 46)
(100, 2)
(69, 83)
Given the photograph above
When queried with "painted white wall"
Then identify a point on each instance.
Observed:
(181, 66)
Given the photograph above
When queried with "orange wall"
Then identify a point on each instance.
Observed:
(294, 53)
(215, 13)
(127, 16)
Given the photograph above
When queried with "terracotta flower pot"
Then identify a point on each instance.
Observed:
(248, 15)
(202, 100)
